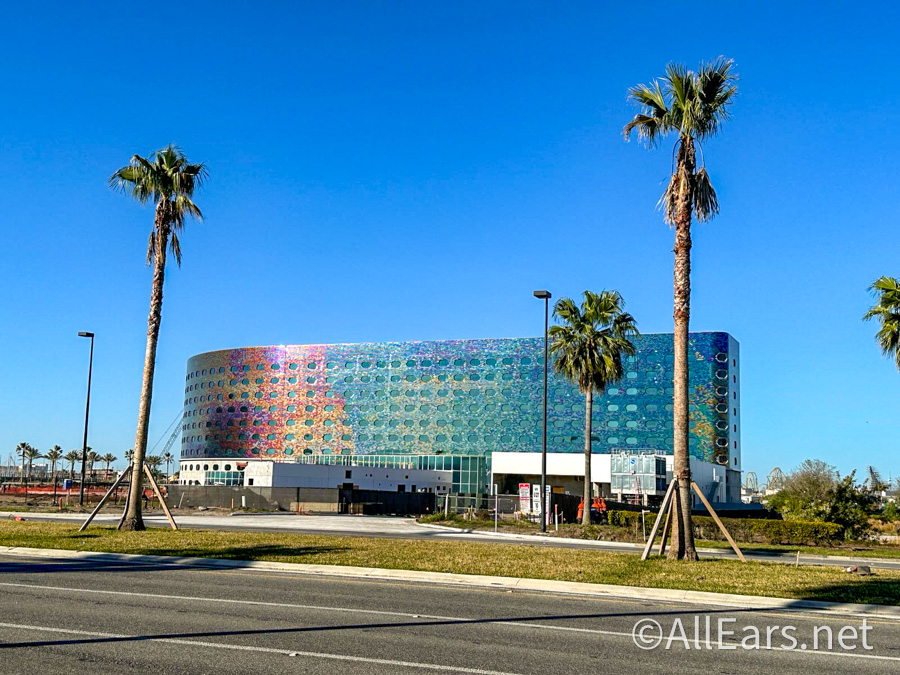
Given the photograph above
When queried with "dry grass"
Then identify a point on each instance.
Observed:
(722, 576)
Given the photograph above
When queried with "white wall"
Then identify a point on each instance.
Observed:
(558, 464)
(572, 464)
(288, 474)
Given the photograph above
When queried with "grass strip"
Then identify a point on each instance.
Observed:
(856, 549)
(535, 562)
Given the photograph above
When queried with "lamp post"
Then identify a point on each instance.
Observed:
(545, 296)
(87, 410)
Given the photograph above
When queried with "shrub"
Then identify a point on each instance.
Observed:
(745, 529)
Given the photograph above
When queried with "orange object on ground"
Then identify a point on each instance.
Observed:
(580, 509)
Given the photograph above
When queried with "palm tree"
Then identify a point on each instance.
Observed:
(129, 455)
(72, 458)
(692, 106)
(22, 451)
(108, 459)
(887, 311)
(153, 462)
(31, 454)
(92, 458)
(168, 458)
(54, 454)
(588, 350)
(167, 180)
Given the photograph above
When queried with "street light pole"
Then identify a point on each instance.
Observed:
(87, 411)
(545, 296)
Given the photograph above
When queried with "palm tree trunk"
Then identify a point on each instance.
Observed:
(682, 527)
(133, 519)
(588, 493)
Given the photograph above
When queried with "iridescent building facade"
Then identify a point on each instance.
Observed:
(445, 404)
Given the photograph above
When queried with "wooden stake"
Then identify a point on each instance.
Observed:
(667, 527)
(715, 517)
(162, 502)
(665, 504)
(103, 501)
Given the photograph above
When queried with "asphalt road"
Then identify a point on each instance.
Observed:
(89, 617)
(407, 528)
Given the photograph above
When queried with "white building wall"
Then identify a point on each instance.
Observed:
(558, 464)
(287, 474)
(709, 477)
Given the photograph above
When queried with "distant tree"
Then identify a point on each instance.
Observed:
(691, 106)
(108, 459)
(815, 492)
(22, 452)
(850, 507)
(806, 491)
(72, 457)
(168, 458)
(129, 455)
(153, 463)
(588, 349)
(887, 311)
(874, 483)
(167, 180)
(93, 458)
(31, 454)
(54, 454)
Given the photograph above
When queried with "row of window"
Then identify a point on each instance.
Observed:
(721, 357)
(410, 363)
(411, 393)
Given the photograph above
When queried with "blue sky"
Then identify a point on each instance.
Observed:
(413, 170)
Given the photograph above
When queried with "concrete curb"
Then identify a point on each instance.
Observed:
(473, 580)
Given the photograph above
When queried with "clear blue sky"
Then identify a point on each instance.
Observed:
(413, 170)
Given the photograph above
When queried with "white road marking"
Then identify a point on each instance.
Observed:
(267, 650)
(351, 610)
(500, 622)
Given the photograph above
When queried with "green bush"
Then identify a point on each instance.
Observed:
(748, 530)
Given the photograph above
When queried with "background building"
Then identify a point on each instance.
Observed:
(448, 405)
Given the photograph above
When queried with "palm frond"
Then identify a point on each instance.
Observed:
(653, 121)
(169, 180)
(887, 312)
(716, 87)
(589, 346)
(706, 203)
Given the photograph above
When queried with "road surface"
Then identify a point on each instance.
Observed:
(407, 528)
(90, 617)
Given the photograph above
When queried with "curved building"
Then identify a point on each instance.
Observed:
(463, 399)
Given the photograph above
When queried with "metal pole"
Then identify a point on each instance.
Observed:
(87, 411)
(496, 506)
(544, 436)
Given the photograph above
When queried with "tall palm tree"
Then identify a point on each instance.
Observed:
(887, 311)
(108, 459)
(691, 105)
(588, 350)
(72, 458)
(54, 454)
(129, 455)
(167, 180)
(22, 452)
(31, 454)
(168, 458)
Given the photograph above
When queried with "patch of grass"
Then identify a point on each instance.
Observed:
(721, 576)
